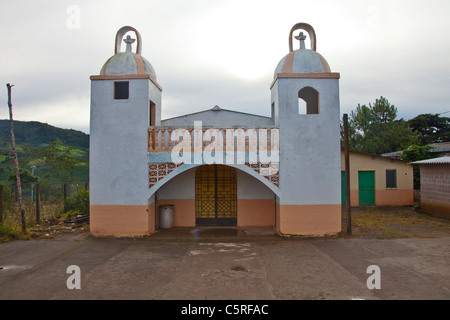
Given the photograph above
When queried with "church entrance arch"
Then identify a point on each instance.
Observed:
(215, 195)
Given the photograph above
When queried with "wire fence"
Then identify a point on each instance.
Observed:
(48, 191)
(45, 199)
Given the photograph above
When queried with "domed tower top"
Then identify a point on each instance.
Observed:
(302, 60)
(127, 62)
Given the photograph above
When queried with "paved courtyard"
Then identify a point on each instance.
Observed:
(229, 263)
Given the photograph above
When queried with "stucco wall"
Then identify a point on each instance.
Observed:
(219, 119)
(403, 195)
(255, 207)
(309, 143)
(118, 144)
(119, 193)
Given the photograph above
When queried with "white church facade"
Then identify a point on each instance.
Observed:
(215, 167)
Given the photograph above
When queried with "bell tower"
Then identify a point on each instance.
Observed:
(305, 106)
(125, 101)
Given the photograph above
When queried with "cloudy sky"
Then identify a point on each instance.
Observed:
(222, 52)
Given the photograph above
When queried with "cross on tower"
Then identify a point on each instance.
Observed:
(129, 41)
(301, 37)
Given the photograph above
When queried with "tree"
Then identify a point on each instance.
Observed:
(56, 160)
(416, 153)
(431, 128)
(26, 177)
(375, 129)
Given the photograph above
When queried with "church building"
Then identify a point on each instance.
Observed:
(215, 167)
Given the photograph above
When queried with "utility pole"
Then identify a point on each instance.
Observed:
(16, 159)
(32, 185)
(347, 175)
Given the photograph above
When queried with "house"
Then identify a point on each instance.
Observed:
(438, 149)
(378, 181)
(435, 185)
(215, 167)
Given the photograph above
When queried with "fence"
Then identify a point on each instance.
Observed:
(48, 192)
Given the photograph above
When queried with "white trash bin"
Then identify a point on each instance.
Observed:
(166, 216)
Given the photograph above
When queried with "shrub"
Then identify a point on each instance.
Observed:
(12, 231)
(79, 202)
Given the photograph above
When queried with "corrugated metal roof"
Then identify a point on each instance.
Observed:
(440, 160)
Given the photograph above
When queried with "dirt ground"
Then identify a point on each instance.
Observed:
(394, 223)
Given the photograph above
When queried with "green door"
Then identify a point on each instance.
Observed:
(366, 185)
(343, 195)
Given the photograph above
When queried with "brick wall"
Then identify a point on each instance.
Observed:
(435, 189)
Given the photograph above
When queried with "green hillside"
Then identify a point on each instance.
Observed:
(31, 137)
(36, 133)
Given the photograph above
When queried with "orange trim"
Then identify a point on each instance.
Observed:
(288, 64)
(119, 35)
(326, 67)
(308, 28)
(102, 72)
(139, 63)
(332, 75)
(127, 76)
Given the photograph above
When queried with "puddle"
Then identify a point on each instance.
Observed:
(14, 267)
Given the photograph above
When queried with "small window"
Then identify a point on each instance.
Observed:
(308, 101)
(121, 90)
(391, 179)
(152, 113)
(272, 112)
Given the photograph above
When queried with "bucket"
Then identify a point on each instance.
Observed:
(166, 216)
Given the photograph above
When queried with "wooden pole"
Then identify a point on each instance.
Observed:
(16, 160)
(1, 203)
(347, 176)
(38, 202)
(65, 190)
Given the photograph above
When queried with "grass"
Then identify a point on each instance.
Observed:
(397, 222)
(11, 229)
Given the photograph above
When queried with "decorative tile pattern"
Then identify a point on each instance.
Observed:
(268, 171)
(157, 171)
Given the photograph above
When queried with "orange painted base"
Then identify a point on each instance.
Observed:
(183, 211)
(121, 221)
(387, 197)
(256, 213)
(397, 197)
(308, 220)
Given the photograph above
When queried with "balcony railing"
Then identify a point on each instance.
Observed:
(194, 139)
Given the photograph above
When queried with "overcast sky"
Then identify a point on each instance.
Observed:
(222, 52)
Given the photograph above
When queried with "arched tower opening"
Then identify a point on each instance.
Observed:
(308, 101)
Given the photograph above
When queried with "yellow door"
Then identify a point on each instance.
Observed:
(215, 195)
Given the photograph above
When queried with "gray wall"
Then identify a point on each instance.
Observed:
(118, 142)
(309, 144)
(219, 119)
